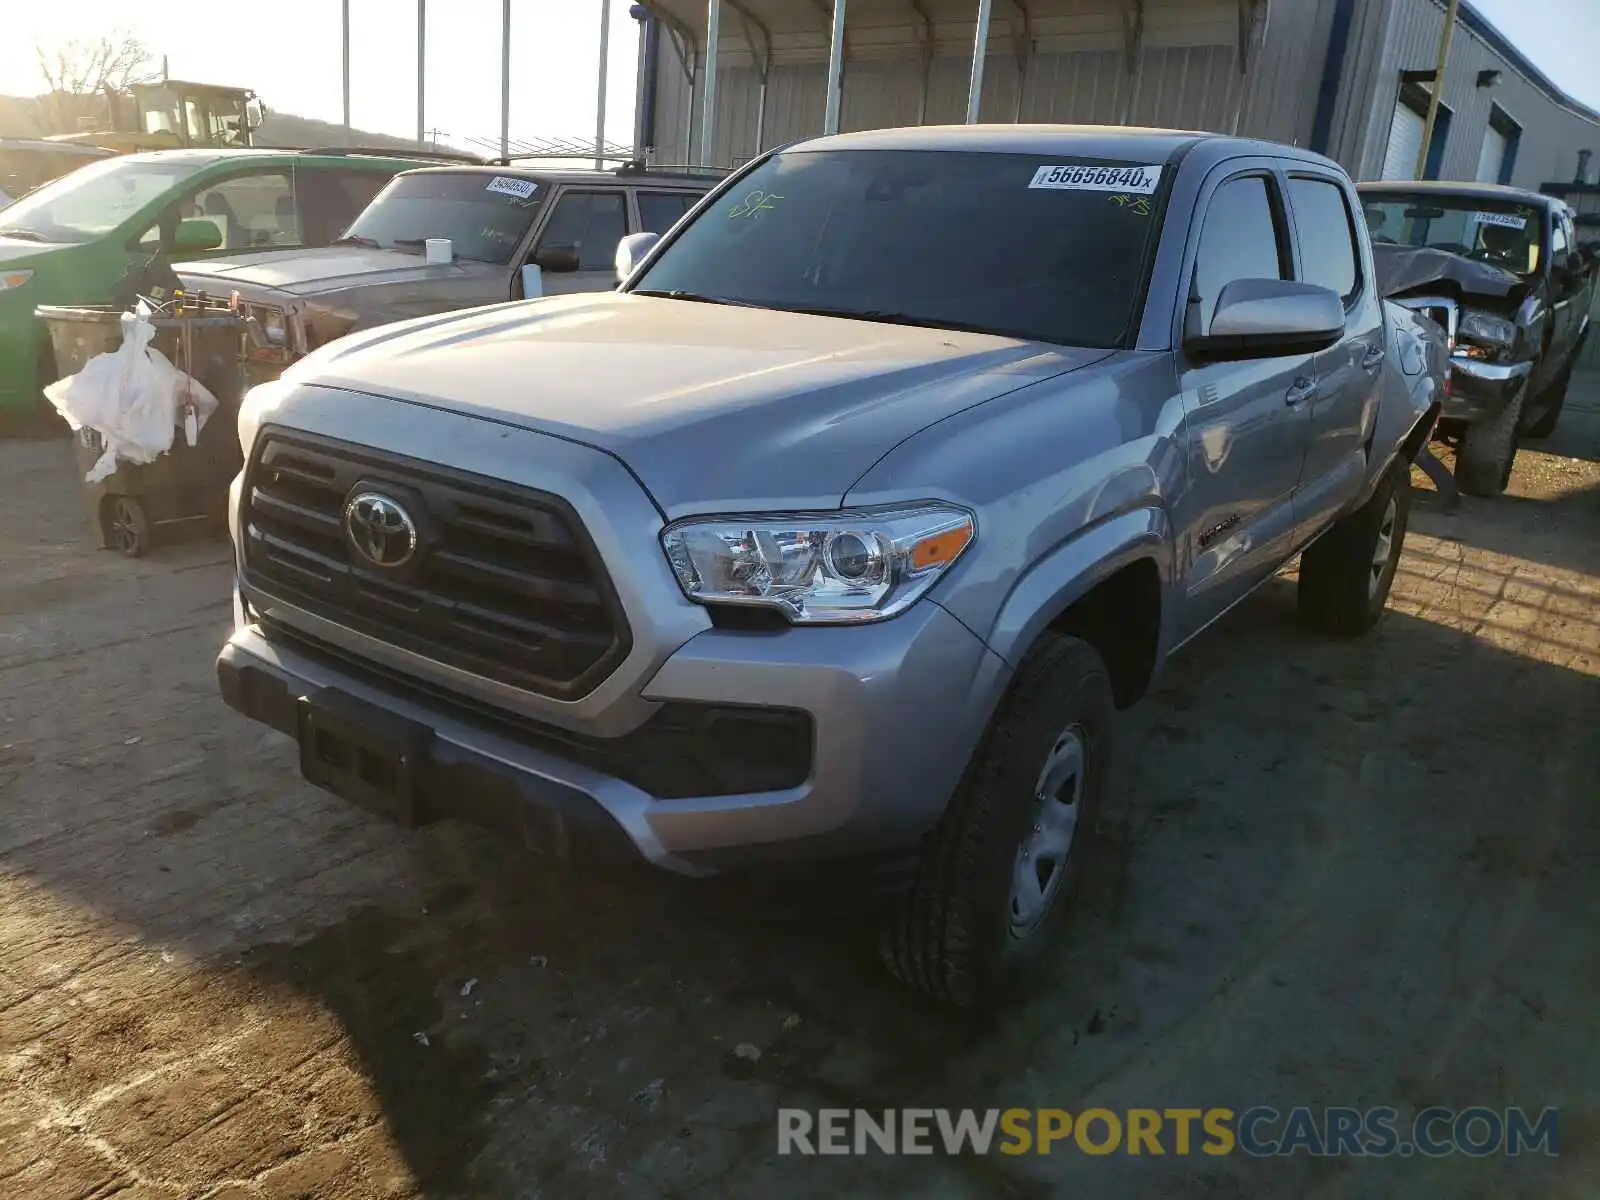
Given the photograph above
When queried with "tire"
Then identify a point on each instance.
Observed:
(1489, 448)
(128, 526)
(970, 932)
(1346, 574)
(1549, 404)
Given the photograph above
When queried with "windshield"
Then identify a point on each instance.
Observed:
(484, 216)
(1024, 246)
(95, 199)
(1496, 232)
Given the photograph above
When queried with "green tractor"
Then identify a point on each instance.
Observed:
(172, 114)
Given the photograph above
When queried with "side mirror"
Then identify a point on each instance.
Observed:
(560, 259)
(631, 251)
(1266, 318)
(255, 113)
(194, 235)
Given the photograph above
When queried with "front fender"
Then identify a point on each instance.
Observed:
(1066, 575)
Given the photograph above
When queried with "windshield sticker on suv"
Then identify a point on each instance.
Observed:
(756, 201)
(1505, 220)
(506, 186)
(1139, 180)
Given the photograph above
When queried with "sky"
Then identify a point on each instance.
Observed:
(288, 51)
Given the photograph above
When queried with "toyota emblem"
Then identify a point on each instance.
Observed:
(381, 531)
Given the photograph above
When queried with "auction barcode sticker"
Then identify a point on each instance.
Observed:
(1139, 181)
(520, 188)
(1506, 220)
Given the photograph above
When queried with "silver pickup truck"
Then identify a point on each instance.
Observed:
(843, 528)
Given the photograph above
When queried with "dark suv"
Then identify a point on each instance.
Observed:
(1501, 269)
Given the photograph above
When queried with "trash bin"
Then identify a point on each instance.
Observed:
(140, 504)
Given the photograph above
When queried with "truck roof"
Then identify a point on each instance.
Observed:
(555, 175)
(1129, 143)
(1463, 188)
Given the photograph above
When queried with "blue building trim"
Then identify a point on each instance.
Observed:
(1332, 69)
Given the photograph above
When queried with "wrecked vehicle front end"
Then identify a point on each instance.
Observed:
(1489, 315)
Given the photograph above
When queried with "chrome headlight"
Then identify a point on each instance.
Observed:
(819, 568)
(1487, 328)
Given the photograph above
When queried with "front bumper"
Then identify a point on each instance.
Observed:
(889, 708)
(1478, 391)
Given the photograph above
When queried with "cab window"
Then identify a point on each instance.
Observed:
(1242, 238)
(1327, 240)
(591, 223)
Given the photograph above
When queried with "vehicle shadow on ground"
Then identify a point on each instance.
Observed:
(636, 1031)
(1281, 802)
(1333, 871)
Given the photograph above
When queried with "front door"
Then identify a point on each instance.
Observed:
(1349, 372)
(1245, 422)
(589, 221)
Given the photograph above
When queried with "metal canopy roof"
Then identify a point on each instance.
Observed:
(799, 30)
(760, 33)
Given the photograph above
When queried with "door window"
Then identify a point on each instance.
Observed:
(1241, 239)
(592, 223)
(660, 211)
(250, 211)
(1559, 244)
(1327, 241)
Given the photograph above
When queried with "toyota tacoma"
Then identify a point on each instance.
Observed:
(843, 528)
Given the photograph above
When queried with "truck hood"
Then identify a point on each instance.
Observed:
(1403, 269)
(713, 407)
(330, 269)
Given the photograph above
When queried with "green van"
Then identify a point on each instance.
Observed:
(74, 240)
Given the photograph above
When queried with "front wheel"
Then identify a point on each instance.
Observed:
(1489, 448)
(1346, 574)
(997, 873)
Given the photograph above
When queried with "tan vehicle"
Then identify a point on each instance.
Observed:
(513, 232)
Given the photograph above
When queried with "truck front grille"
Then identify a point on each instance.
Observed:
(505, 582)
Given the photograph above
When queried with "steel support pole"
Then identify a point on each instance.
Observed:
(980, 51)
(1437, 90)
(346, 55)
(830, 116)
(505, 78)
(422, 61)
(600, 99)
(708, 96)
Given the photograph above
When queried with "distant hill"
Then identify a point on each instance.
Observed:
(23, 116)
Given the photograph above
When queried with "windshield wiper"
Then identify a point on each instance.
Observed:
(885, 317)
(697, 297)
(358, 240)
(24, 235)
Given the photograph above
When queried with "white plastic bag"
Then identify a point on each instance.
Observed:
(132, 397)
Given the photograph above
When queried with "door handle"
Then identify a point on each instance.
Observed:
(1300, 391)
(1372, 359)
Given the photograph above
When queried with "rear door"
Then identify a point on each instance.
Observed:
(591, 221)
(1245, 422)
(1344, 403)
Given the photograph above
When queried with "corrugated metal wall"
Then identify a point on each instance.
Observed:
(1187, 87)
(1408, 39)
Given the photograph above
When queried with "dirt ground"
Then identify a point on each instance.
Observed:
(1360, 873)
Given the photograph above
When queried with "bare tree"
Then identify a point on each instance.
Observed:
(76, 71)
